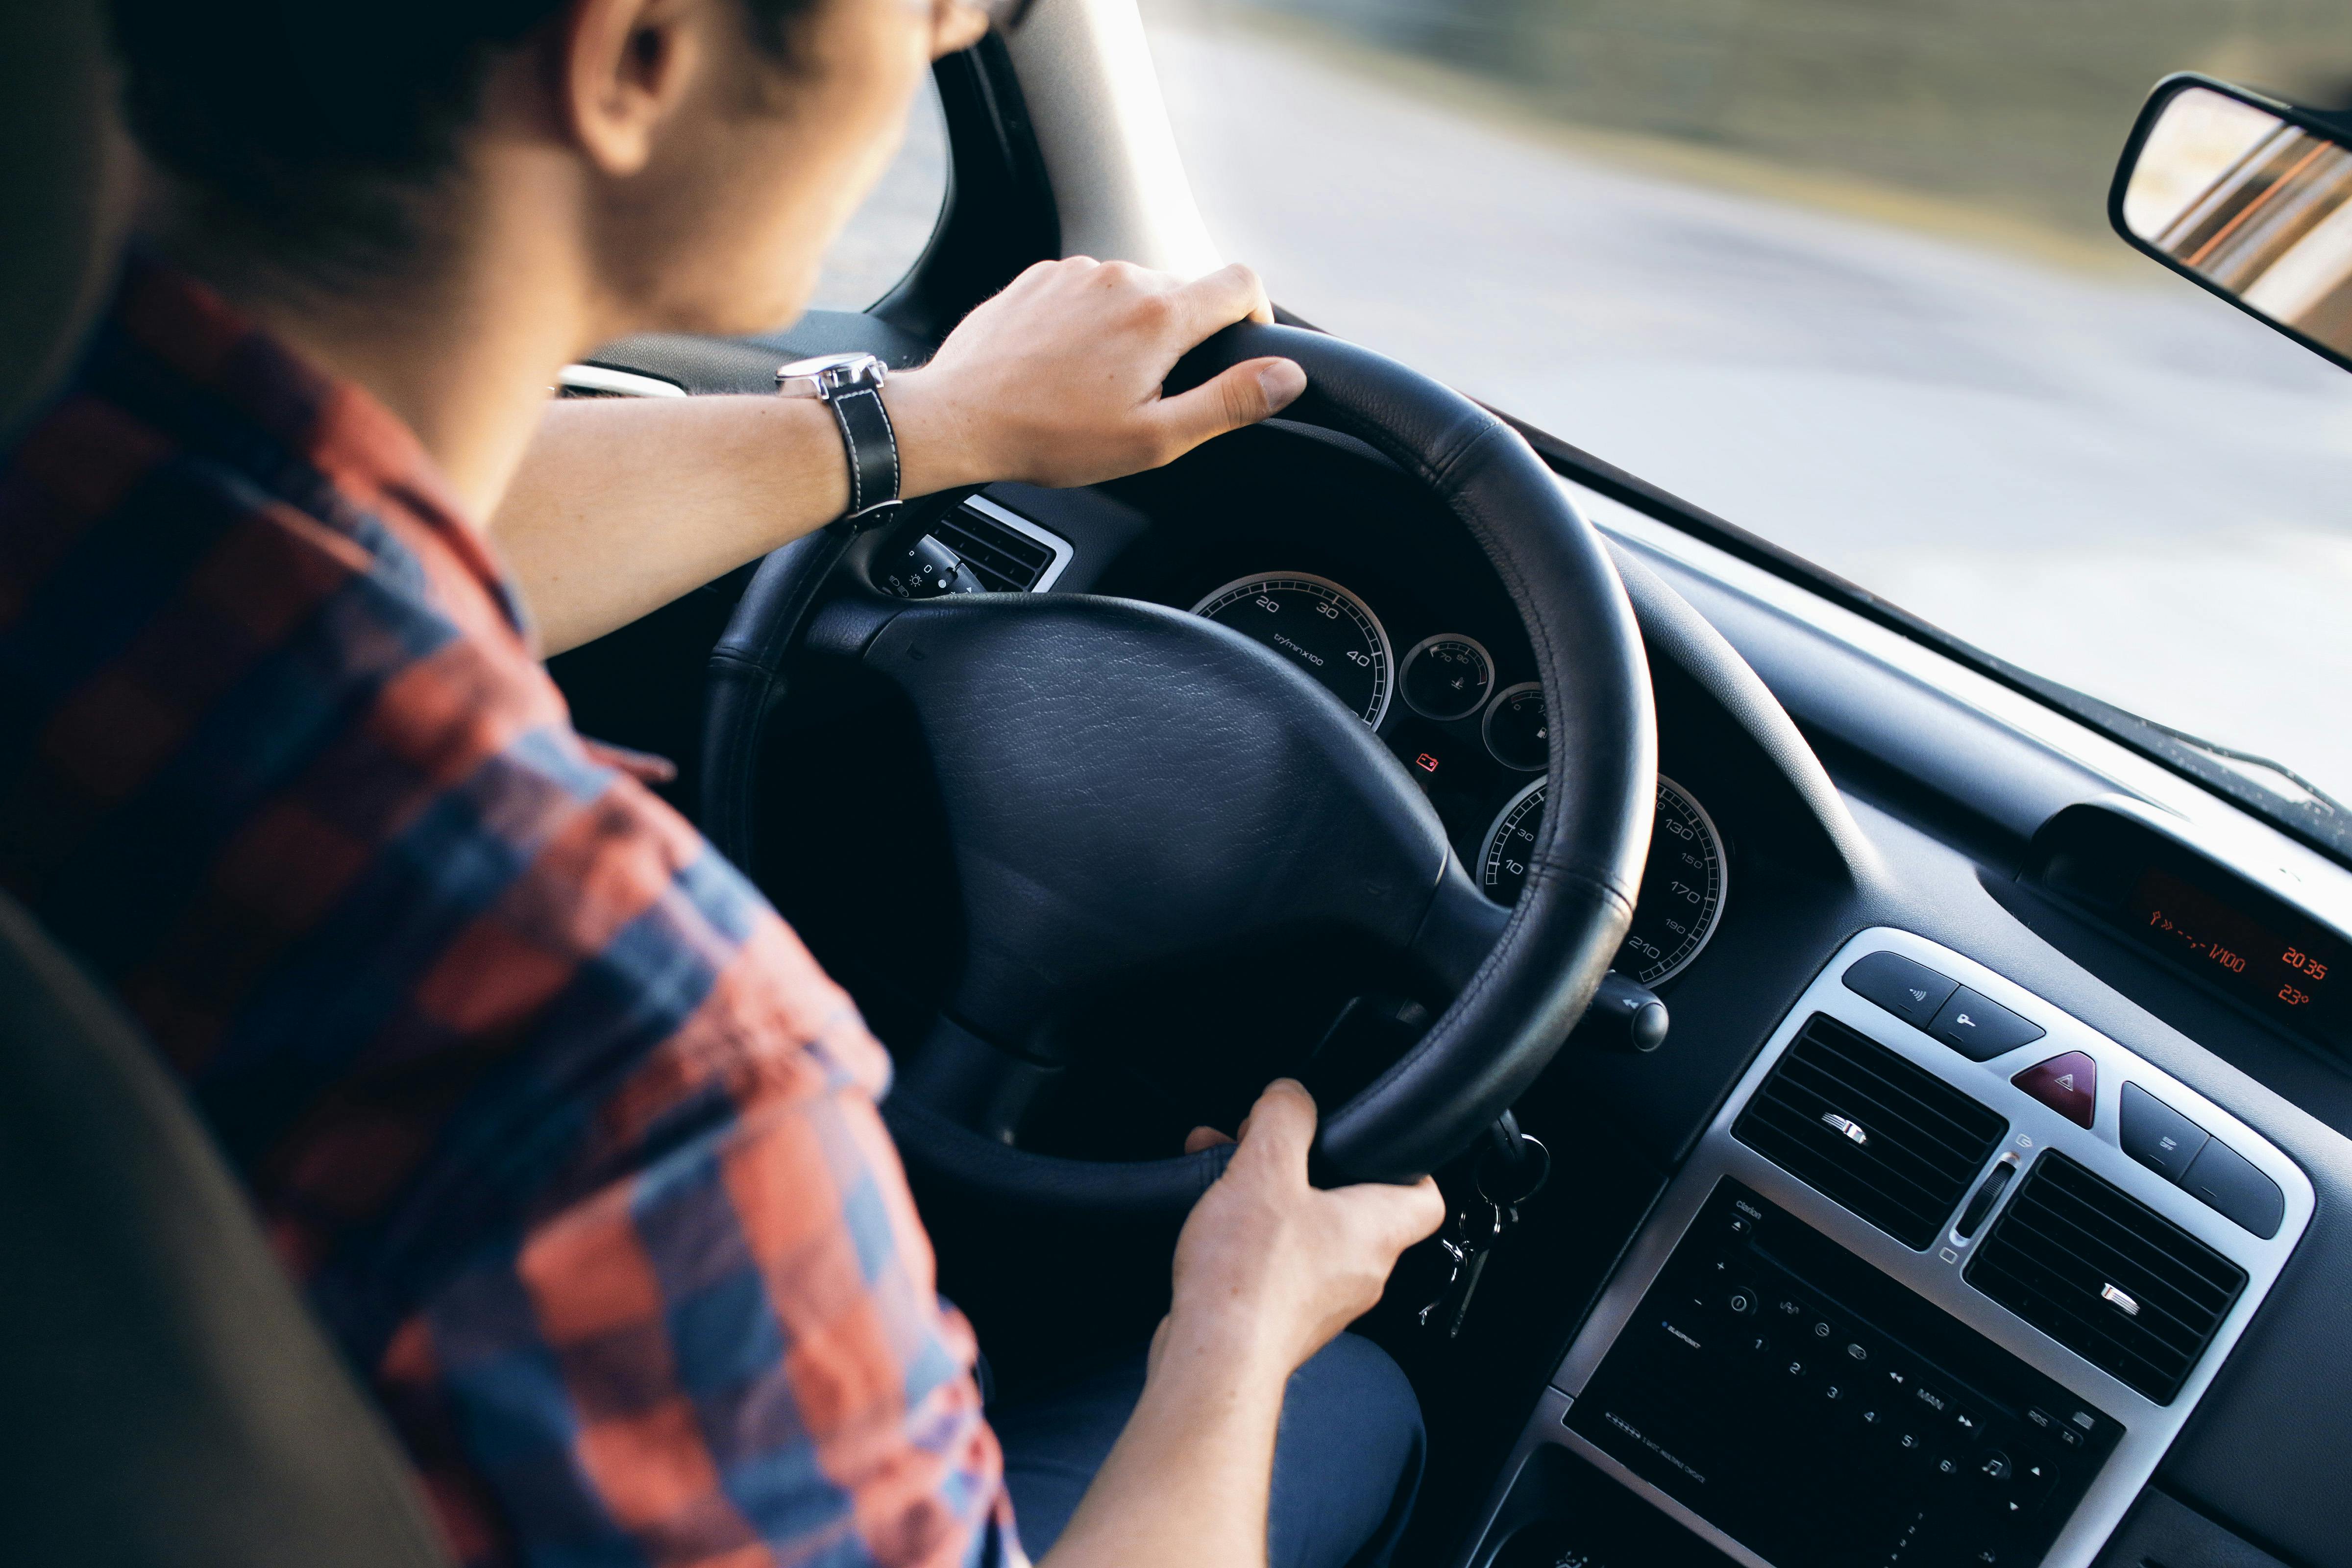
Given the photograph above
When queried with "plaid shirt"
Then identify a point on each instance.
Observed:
(571, 1143)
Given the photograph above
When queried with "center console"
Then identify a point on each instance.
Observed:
(1943, 1282)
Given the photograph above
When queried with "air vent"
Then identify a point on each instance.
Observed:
(2106, 1276)
(1007, 552)
(1890, 1141)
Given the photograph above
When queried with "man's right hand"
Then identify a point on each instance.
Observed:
(1270, 1268)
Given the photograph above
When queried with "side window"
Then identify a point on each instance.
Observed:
(886, 237)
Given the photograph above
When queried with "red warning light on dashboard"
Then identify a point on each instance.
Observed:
(1425, 762)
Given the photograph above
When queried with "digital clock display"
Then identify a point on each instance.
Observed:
(2297, 978)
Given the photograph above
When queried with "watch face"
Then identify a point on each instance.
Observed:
(828, 374)
(821, 364)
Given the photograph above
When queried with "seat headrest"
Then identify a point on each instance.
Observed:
(65, 192)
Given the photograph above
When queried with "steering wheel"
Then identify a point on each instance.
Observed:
(1125, 785)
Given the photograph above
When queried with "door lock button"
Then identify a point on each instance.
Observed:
(1981, 1029)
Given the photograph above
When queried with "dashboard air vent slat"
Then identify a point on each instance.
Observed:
(2106, 1276)
(1005, 560)
(1887, 1139)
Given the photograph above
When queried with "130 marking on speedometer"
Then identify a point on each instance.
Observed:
(1318, 625)
(1681, 885)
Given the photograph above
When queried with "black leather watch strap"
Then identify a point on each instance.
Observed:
(873, 448)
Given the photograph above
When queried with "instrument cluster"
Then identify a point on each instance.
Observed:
(1471, 739)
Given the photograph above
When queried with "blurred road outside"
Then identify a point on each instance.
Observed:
(1835, 269)
(2030, 436)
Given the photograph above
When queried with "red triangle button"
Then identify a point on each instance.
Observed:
(2068, 1085)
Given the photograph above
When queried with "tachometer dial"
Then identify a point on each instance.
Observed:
(1446, 677)
(1517, 729)
(1682, 883)
(1319, 626)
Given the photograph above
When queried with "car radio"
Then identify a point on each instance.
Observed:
(1945, 1277)
(1822, 1415)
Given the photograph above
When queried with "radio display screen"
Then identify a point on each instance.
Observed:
(2294, 974)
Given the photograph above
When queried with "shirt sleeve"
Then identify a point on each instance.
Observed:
(733, 1353)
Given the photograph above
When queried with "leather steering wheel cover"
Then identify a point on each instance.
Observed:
(1520, 1004)
(745, 679)
(1585, 868)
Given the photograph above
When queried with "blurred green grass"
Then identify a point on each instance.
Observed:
(2015, 105)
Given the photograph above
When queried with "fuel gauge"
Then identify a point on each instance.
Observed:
(1518, 733)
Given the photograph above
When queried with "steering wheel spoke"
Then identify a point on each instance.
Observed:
(1458, 932)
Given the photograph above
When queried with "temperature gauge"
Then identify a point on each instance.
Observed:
(1447, 676)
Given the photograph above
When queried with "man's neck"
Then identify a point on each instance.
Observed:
(462, 345)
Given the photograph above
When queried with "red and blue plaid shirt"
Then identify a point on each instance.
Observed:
(571, 1143)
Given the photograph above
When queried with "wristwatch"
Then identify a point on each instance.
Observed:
(850, 385)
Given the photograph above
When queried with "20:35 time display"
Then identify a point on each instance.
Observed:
(2281, 974)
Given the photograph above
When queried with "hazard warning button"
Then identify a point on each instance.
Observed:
(2068, 1085)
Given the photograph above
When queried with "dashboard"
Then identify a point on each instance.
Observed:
(1471, 741)
(1734, 1346)
(1793, 1365)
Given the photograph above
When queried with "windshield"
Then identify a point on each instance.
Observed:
(1840, 272)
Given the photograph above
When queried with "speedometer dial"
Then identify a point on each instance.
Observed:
(1682, 884)
(1318, 626)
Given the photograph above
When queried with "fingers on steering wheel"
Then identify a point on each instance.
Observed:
(1243, 394)
(1220, 298)
(1281, 1125)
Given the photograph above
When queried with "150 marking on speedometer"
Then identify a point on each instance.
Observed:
(1318, 625)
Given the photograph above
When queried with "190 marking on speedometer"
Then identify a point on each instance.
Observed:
(1318, 625)
(1681, 885)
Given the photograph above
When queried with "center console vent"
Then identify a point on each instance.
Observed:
(2106, 1276)
(1890, 1141)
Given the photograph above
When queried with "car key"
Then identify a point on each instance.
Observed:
(1456, 1249)
(1476, 1249)
(1503, 1185)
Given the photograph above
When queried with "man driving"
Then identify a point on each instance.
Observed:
(572, 1147)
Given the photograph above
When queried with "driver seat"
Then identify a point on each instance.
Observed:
(165, 1397)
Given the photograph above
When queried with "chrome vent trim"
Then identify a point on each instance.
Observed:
(2105, 1276)
(603, 381)
(1008, 553)
(1896, 1144)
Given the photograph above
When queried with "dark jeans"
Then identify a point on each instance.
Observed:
(1346, 1463)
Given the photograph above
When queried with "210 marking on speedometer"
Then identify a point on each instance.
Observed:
(1682, 883)
(1318, 626)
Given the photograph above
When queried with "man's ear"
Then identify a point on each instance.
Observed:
(626, 65)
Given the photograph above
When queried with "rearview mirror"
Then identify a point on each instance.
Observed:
(2250, 198)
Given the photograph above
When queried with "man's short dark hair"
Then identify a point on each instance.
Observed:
(307, 123)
